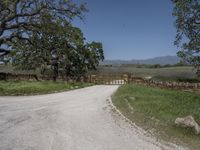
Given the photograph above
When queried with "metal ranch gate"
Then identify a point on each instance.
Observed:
(109, 79)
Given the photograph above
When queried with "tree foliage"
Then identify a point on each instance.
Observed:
(187, 13)
(58, 49)
(21, 18)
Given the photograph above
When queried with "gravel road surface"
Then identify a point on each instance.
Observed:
(82, 119)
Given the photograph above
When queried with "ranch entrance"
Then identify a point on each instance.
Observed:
(109, 79)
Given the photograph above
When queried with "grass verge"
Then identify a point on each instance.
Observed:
(155, 110)
(33, 88)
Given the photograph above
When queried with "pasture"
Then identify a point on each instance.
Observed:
(164, 73)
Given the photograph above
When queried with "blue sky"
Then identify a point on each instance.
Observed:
(130, 29)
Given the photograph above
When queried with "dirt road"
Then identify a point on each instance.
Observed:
(75, 120)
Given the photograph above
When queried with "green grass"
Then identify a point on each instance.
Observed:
(156, 109)
(32, 88)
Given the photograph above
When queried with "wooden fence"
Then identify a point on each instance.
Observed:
(15, 76)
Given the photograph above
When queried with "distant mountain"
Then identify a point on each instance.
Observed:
(163, 60)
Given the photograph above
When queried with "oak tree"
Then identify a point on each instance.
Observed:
(187, 13)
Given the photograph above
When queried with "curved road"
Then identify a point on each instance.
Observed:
(76, 120)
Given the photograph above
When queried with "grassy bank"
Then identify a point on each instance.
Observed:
(32, 88)
(155, 110)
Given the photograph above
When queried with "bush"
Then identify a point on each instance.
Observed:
(198, 73)
(155, 66)
(2, 76)
(189, 80)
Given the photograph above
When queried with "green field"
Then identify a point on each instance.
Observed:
(155, 110)
(165, 72)
(32, 88)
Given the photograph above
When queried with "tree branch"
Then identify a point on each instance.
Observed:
(22, 24)
(15, 15)
(4, 51)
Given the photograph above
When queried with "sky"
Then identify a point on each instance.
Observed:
(130, 29)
